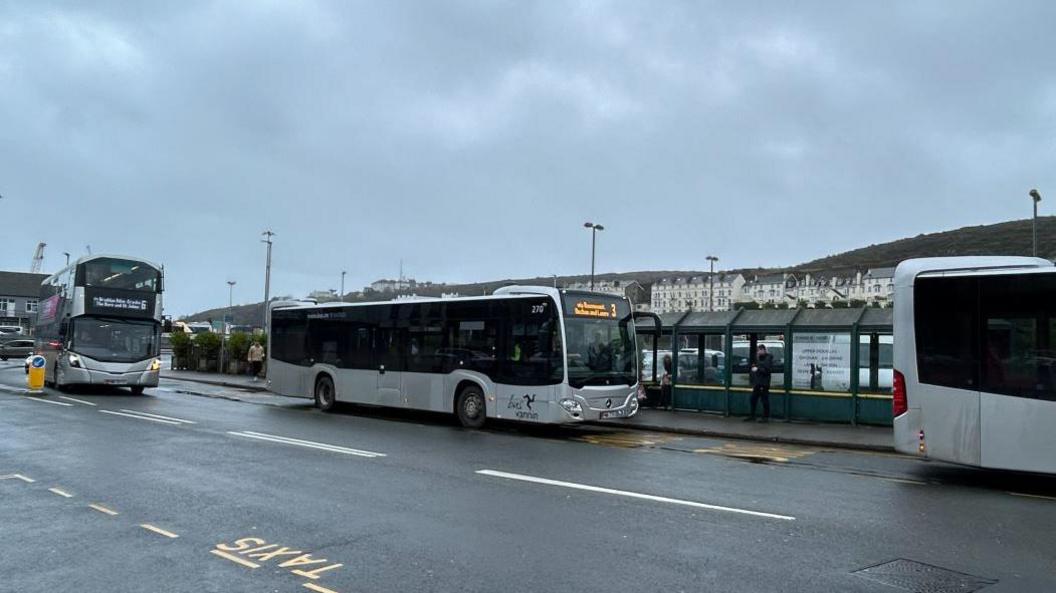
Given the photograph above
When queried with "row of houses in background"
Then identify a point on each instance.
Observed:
(723, 291)
(727, 291)
(873, 287)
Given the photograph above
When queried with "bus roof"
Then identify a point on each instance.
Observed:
(505, 292)
(95, 256)
(908, 270)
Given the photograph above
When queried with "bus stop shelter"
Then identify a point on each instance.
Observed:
(830, 365)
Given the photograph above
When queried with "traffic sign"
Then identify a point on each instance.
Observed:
(36, 373)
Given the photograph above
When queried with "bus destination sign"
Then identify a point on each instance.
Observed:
(593, 309)
(122, 303)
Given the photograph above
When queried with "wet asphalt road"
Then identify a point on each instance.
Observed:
(195, 493)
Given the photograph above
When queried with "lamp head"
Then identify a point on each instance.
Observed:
(1034, 194)
(588, 225)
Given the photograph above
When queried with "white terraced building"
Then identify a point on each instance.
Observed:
(874, 287)
(695, 293)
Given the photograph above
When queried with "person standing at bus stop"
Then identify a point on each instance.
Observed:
(255, 357)
(760, 379)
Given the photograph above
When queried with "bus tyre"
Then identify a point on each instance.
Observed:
(325, 394)
(137, 390)
(470, 407)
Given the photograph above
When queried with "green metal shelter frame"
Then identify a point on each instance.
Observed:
(864, 401)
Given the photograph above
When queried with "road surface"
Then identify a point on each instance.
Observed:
(172, 491)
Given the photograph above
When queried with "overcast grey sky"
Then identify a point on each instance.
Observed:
(472, 140)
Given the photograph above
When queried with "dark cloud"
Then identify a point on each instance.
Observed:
(472, 141)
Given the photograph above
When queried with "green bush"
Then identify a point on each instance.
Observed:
(238, 346)
(208, 345)
(181, 346)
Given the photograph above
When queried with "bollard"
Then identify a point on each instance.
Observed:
(36, 374)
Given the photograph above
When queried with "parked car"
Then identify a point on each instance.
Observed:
(9, 331)
(16, 349)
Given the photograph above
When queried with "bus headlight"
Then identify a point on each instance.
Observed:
(155, 365)
(572, 406)
(74, 360)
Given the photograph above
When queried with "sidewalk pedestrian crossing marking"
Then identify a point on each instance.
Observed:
(759, 452)
(625, 440)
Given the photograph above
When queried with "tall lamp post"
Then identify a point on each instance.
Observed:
(594, 228)
(223, 323)
(343, 285)
(267, 278)
(711, 282)
(1034, 224)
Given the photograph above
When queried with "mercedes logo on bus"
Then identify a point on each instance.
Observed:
(608, 403)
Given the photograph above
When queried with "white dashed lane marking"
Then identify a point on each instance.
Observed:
(651, 497)
(247, 434)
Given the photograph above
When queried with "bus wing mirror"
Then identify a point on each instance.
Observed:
(64, 327)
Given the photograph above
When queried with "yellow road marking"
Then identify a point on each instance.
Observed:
(234, 559)
(1025, 495)
(60, 492)
(18, 477)
(626, 440)
(102, 509)
(780, 454)
(158, 530)
(317, 588)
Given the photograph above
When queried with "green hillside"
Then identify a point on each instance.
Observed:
(1004, 238)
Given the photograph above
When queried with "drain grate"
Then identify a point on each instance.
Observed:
(918, 577)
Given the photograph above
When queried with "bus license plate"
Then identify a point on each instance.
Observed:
(113, 381)
(612, 414)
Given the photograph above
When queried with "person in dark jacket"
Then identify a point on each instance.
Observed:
(760, 379)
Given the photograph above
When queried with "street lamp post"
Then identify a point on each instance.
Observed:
(594, 228)
(267, 278)
(1034, 224)
(343, 285)
(711, 282)
(67, 254)
(223, 323)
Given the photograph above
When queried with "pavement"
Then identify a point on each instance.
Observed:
(106, 491)
(844, 436)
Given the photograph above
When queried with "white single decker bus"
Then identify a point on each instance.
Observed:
(975, 361)
(534, 354)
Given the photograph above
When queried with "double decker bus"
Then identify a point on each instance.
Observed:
(534, 354)
(99, 323)
(975, 361)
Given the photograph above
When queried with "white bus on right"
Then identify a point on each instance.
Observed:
(975, 361)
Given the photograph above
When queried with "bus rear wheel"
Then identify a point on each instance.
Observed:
(470, 407)
(325, 394)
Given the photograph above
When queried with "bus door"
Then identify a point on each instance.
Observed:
(387, 361)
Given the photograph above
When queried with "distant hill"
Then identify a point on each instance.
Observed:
(1004, 238)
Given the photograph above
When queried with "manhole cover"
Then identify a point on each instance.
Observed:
(918, 577)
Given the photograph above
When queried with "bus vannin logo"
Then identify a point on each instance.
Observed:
(522, 406)
(608, 403)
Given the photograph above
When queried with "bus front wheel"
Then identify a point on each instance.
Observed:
(470, 407)
(137, 390)
(325, 394)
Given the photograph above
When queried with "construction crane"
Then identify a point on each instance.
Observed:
(38, 258)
